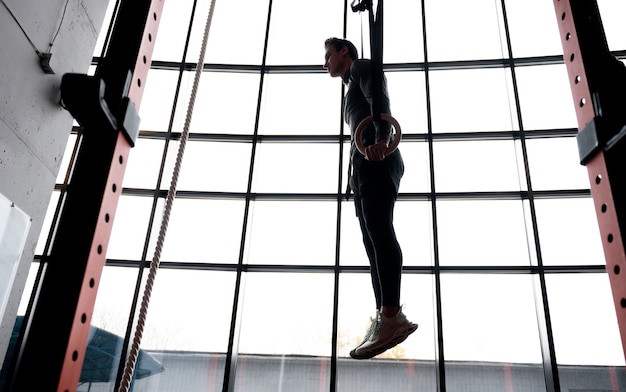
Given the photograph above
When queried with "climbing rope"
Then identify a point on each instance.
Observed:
(154, 266)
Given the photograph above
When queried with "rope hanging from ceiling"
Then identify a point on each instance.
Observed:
(154, 265)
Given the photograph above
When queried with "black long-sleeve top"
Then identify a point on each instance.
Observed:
(357, 103)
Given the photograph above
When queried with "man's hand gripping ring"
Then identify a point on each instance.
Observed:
(359, 129)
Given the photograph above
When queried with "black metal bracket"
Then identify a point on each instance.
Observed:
(84, 97)
(590, 139)
(362, 5)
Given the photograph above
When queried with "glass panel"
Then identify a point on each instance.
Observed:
(296, 167)
(554, 164)
(292, 232)
(172, 32)
(304, 327)
(472, 100)
(207, 231)
(237, 33)
(407, 92)
(541, 37)
(188, 326)
(482, 232)
(476, 166)
(108, 328)
(545, 97)
(67, 156)
(298, 32)
(586, 335)
(452, 35)
(408, 366)
(128, 235)
(503, 346)
(225, 103)
(403, 38)
(47, 223)
(215, 166)
(185, 305)
(157, 100)
(416, 176)
(612, 13)
(568, 232)
(413, 226)
(297, 104)
(144, 162)
(103, 31)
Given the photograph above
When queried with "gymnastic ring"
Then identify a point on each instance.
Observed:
(387, 117)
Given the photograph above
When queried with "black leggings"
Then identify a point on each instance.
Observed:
(375, 195)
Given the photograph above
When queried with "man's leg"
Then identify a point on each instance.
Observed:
(377, 202)
(369, 249)
(378, 194)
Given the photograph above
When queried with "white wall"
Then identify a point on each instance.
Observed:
(34, 129)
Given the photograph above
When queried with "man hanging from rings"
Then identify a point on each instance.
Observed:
(375, 181)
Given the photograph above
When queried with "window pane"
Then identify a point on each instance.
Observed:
(237, 32)
(215, 166)
(408, 366)
(296, 167)
(481, 232)
(188, 324)
(67, 157)
(584, 321)
(413, 226)
(130, 226)
(487, 330)
(402, 24)
(108, 328)
(568, 232)
(416, 176)
(225, 103)
(296, 104)
(476, 166)
(472, 100)
(452, 35)
(612, 13)
(157, 100)
(407, 93)
(292, 232)
(304, 326)
(47, 223)
(550, 171)
(298, 32)
(539, 38)
(545, 97)
(144, 162)
(207, 231)
(172, 32)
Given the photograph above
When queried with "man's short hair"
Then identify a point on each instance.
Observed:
(339, 43)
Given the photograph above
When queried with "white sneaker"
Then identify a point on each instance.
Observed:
(387, 333)
(370, 330)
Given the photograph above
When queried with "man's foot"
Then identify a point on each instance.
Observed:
(384, 334)
(370, 330)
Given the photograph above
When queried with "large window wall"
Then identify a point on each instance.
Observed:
(264, 282)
